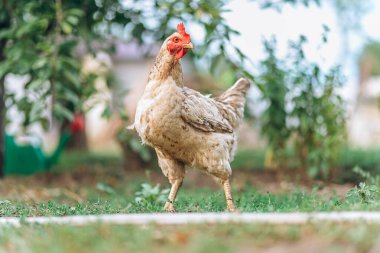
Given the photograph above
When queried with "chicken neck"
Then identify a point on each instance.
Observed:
(165, 66)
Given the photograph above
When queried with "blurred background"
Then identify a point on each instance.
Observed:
(72, 73)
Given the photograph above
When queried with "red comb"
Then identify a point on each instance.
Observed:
(181, 30)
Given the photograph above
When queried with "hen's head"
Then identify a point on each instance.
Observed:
(179, 43)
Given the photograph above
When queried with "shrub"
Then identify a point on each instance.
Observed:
(304, 110)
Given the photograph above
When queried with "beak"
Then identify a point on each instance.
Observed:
(188, 45)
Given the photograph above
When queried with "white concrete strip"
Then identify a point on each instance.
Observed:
(194, 218)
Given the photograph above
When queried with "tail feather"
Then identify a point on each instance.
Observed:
(231, 102)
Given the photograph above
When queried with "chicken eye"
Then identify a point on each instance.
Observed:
(176, 39)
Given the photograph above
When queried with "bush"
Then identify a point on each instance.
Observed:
(304, 111)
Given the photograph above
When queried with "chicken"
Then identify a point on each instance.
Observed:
(185, 127)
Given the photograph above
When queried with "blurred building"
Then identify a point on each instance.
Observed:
(364, 123)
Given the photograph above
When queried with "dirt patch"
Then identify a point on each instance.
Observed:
(68, 184)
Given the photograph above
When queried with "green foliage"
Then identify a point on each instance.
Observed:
(43, 39)
(274, 90)
(319, 114)
(367, 192)
(373, 180)
(364, 193)
(304, 110)
(150, 195)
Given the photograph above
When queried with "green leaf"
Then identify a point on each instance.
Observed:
(44, 122)
(6, 33)
(73, 20)
(41, 62)
(4, 68)
(75, 12)
(23, 29)
(61, 112)
(72, 77)
(36, 110)
(69, 62)
(69, 95)
(35, 84)
(107, 113)
(66, 27)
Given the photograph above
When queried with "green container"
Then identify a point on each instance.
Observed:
(29, 159)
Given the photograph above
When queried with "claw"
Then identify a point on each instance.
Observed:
(169, 207)
(233, 209)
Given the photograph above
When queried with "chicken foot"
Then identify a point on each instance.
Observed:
(169, 205)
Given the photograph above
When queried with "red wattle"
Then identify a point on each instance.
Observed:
(181, 53)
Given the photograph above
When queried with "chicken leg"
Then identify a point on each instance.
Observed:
(176, 184)
(174, 170)
(227, 191)
(222, 175)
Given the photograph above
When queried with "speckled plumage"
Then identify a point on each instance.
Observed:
(187, 128)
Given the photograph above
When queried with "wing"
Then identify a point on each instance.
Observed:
(202, 113)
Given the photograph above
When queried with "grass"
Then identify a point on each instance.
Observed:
(101, 198)
(191, 238)
(99, 185)
(189, 201)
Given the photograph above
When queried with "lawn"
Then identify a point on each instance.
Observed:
(98, 185)
(103, 199)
